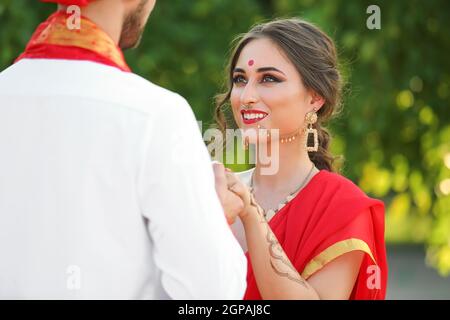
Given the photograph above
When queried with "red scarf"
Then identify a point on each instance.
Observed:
(330, 217)
(80, 3)
(54, 40)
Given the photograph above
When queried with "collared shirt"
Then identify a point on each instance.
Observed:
(107, 190)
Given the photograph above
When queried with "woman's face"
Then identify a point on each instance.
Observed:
(268, 91)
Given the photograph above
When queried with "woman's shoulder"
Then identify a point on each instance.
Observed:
(337, 179)
(342, 187)
(337, 182)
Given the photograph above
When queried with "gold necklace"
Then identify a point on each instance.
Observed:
(271, 212)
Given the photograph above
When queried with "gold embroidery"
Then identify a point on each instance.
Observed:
(334, 251)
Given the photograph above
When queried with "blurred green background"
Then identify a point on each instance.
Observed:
(394, 131)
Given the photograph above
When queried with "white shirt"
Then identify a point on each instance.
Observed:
(107, 190)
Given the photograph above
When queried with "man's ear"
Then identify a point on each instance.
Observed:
(316, 101)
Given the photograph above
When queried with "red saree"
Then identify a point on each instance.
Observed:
(54, 40)
(328, 218)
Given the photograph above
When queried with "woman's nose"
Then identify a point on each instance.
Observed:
(249, 94)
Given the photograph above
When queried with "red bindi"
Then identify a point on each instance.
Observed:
(251, 62)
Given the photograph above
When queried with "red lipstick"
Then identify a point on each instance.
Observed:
(253, 116)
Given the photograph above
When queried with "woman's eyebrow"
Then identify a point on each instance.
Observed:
(264, 69)
(269, 69)
(239, 70)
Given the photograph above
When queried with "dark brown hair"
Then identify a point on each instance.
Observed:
(313, 54)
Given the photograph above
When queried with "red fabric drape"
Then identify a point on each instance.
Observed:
(80, 3)
(330, 217)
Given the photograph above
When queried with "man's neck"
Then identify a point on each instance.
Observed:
(107, 15)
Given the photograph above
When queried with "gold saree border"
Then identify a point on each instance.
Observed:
(332, 252)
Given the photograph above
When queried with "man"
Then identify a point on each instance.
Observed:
(106, 188)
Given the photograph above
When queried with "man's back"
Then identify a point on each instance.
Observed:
(106, 190)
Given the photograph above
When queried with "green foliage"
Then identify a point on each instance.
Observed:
(394, 131)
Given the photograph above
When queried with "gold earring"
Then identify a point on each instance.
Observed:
(311, 118)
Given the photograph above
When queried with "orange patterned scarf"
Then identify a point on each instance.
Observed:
(54, 40)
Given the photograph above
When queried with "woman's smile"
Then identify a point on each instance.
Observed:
(252, 116)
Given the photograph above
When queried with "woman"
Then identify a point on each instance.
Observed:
(310, 233)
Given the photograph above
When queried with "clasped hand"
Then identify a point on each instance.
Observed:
(234, 195)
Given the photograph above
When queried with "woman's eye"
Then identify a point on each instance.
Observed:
(269, 78)
(239, 79)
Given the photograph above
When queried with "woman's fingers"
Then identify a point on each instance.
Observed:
(237, 187)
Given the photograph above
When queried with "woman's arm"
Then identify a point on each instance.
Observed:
(274, 273)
